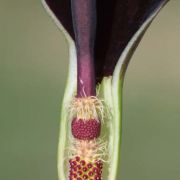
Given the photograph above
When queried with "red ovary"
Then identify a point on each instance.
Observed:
(80, 169)
(85, 129)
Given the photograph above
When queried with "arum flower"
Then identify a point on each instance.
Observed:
(102, 36)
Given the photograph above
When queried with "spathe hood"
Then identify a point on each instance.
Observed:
(117, 22)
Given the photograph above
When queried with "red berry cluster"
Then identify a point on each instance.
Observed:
(82, 170)
(85, 129)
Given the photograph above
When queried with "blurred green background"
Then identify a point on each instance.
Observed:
(33, 71)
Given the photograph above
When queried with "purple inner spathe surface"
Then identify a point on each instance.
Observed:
(117, 22)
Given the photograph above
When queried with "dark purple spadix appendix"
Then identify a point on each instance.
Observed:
(84, 24)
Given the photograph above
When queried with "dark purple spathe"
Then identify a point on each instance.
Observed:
(117, 22)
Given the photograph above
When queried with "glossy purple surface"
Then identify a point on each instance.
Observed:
(84, 25)
(117, 22)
